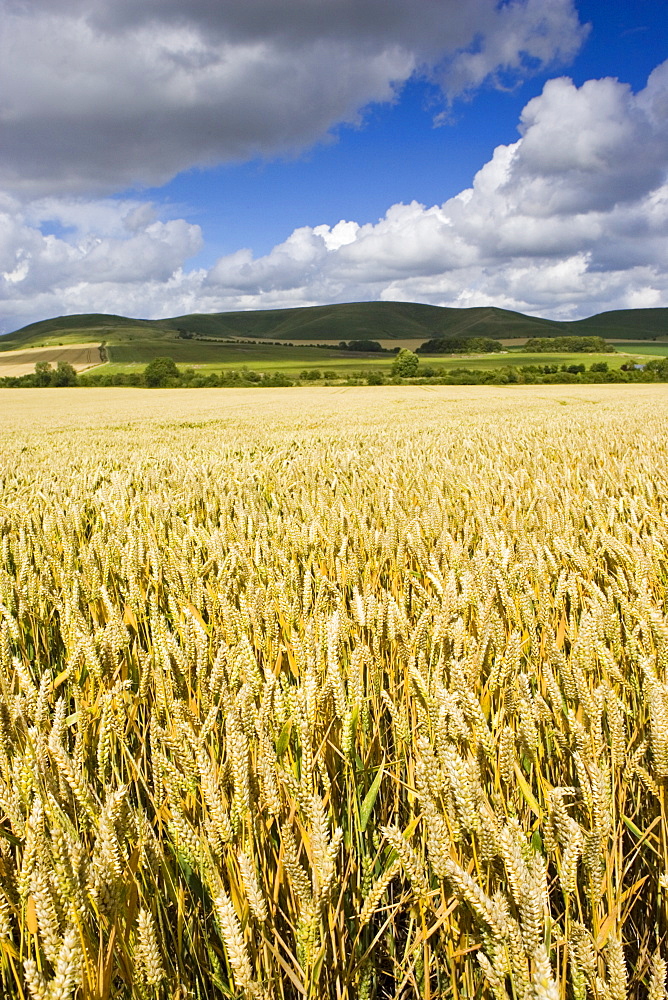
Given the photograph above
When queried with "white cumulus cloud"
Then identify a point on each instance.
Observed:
(570, 219)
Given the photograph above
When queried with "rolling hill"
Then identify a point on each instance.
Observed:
(387, 320)
(624, 324)
(347, 321)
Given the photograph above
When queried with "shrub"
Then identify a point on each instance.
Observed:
(406, 364)
(160, 372)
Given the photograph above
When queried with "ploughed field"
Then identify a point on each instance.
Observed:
(338, 693)
(80, 356)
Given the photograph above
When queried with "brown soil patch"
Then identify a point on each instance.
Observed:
(80, 356)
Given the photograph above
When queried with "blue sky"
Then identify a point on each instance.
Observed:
(399, 154)
(178, 157)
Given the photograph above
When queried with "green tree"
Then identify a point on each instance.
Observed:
(161, 372)
(362, 345)
(64, 374)
(581, 345)
(662, 367)
(460, 345)
(43, 373)
(406, 364)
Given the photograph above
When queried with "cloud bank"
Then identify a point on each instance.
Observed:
(100, 95)
(570, 219)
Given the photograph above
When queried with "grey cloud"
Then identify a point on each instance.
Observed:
(437, 26)
(103, 94)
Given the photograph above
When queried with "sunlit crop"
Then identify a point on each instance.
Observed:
(360, 698)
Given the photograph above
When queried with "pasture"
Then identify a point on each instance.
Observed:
(656, 348)
(210, 357)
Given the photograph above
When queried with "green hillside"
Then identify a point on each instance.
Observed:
(625, 324)
(373, 320)
(334, 322)
(498, 324)
(346, 321)
(88, 326)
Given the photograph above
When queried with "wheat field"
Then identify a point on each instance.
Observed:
(323, 694)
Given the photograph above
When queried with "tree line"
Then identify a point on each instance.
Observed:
(407, 367)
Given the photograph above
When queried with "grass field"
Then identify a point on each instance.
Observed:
(353, 693)
(189, 352)
(655, 348)
(206, 357)
(412, 343)
(517, 358)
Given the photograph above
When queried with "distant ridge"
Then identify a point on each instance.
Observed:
(624, 324)
(348, 321)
